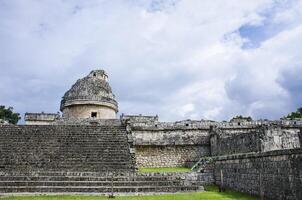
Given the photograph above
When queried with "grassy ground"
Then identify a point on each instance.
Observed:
(176, 169)
(211, 193)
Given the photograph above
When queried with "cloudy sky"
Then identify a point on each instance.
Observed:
(180, 59)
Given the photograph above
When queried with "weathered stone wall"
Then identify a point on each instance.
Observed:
(276, 175)
(186, 177)
(163, 137)
(276, 137)
(224, 144)
(168, 145)
(77, 121)
(40, 118)
(38, 122)
(84, 112)
(169, 156)
(156, 141)
(261, 138)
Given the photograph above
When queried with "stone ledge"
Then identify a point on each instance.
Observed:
(258, 154)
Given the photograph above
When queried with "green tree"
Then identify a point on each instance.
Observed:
(8, 115)
(241, 117)
(294, 115)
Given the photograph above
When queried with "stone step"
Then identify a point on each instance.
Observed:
(103, 167)
(71, 140)
(116, 141)
(68, 166)
(89, 183)
(99, 155)
(65, 148)
(66, 133)
(71, 147)
(98, 189)
(106, 177)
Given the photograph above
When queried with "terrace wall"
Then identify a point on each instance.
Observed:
(274, 175)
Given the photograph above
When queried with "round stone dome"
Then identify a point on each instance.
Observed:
(90, 96)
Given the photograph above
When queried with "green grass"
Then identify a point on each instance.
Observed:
(165, 169)
(211, 193)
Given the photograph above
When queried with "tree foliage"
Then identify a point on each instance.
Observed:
(8, 115)
(240, 117)
(294, 115)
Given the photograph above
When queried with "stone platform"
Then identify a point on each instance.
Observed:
(79, 159)
(64, 148)
(100, 184)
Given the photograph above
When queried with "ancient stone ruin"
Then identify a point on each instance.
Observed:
(89, 150)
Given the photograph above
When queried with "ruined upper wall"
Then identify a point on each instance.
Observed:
(141, 122)
(40, 118)
(147, 130)
(90, 121)
(262, 138)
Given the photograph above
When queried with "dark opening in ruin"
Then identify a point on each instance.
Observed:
(187, 124)
(94, 74)
(94, 114)
(239, 123)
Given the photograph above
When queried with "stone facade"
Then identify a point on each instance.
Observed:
(261, 138)
(84, 111)
(186, 177)
(222, 144)
(276, 137)
(274, 175)
(164, 144)
(41, 118)
(169, 156)
(182, 143)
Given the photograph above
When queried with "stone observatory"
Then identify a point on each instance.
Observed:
(90, 97)
(88, 152)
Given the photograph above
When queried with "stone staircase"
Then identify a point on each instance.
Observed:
(78, 159)
(64, 148)
(96, 183)
(205, 166)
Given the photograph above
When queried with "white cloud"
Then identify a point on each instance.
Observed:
(257, 86)
(178, 59)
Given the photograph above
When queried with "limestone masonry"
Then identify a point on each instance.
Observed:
(90, 97)
(89, 150)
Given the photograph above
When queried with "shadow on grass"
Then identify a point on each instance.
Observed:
(230, 194)
(210, 193)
